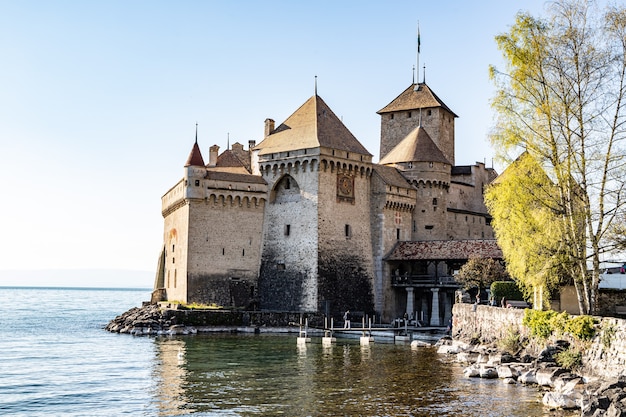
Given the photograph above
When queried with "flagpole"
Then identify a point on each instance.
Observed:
(418, 51)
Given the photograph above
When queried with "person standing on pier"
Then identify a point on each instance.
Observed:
(346, 319)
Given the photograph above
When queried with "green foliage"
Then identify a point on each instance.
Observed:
(543, 324)
(539, 322)
(608, 335)
(480, 272)
(198, 306)
(511, 343)
(559, 322)
(570, 358)
(558, 100)
(581, 327)
(506, 289)
(526, 224)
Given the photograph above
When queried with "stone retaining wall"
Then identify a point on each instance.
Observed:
(489, 324)
(604, 357)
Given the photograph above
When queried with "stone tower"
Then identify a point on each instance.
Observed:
(213, 218)
(317, 253)
(417, 105)
(425, 167)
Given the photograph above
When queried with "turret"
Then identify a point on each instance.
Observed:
(415, 106)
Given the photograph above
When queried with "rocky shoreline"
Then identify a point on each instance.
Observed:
(148, 320)
(156, 320)
(563, 389)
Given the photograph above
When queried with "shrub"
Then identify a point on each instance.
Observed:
(511, 343)
(569, 359)
(559, 321)
(539, 322)
(543, 324)
(507, 289)
(581, 327)
(608, 334)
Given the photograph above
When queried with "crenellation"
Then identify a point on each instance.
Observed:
(305, 221)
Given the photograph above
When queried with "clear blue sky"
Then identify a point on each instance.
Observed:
(99, 100)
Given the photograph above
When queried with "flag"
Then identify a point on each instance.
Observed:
(418, 39)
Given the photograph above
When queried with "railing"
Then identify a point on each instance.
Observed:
(421, 280)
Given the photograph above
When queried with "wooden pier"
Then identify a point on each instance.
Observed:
(402, 334)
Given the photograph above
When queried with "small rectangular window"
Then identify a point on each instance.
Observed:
(397, 234)
(287, 229)
(429, 227)
(434, 201)
(348, 231)
(197, 183)
(280, 266)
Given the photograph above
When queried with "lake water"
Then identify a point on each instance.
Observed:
(56, 360)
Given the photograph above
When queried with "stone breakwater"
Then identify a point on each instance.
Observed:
(152, 320)
(598, 388)
(562, 389)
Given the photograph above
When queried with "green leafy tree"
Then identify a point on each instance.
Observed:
(527, 225)
(561, 99)
(480, 273)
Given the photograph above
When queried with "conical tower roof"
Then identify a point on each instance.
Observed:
(417, 146)
(195, 157)
(417, 96)
(313, 125)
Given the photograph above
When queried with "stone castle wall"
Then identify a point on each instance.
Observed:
(346, 265)
(437, 122)
(224, 271)
(605, 356)
(288, 273)
(175, 238)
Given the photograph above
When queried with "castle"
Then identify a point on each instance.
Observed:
(305, 221)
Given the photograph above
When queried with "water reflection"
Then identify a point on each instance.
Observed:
(170, 373)
(266, 375)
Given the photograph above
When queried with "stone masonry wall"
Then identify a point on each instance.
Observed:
(489, 324)
(604, 357)
(224, 271)
(345, 269)
(288, 273)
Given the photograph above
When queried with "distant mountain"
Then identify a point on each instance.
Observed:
(100, 278)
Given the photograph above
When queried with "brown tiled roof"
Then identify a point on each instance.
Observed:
(228, 159)
(417, 146)
(445, 250)
(411, 99)
(391, 176)
(313, 125)
(242, 155)
(195, 157)
(235, 177)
